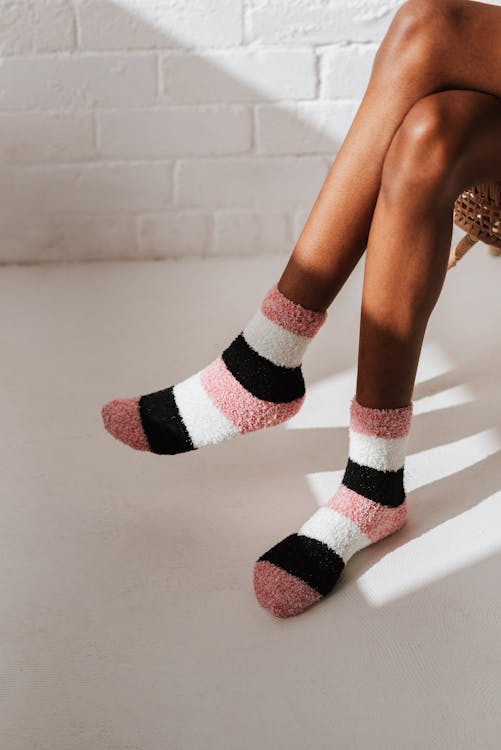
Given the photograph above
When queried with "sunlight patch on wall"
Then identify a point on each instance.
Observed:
(174, 21)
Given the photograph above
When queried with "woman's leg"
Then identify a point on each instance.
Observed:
(257, 381)
(431, 45)
(446, 142)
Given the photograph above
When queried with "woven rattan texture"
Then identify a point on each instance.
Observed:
(478, 211)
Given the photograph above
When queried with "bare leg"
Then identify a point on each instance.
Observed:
(447, 142)
(424, 52)
(431, 45)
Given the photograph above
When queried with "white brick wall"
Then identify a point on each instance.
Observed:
(155, 128)
(174, 131)
(32, 26)
(318, 21)
(239, 76)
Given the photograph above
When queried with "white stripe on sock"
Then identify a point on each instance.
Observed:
(203, 420)
(275, 343)
(336, 531)
(385, 454)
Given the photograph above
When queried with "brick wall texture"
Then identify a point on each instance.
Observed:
(165, 128)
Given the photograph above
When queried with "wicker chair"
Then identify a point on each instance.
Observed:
(478, 211)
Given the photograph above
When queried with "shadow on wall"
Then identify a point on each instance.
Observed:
(166, 149)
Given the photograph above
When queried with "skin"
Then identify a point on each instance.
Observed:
(428, 127)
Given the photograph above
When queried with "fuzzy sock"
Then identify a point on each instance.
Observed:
(257, 382)
(368, 506)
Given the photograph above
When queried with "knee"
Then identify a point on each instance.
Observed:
(421, 32)
(425, 151)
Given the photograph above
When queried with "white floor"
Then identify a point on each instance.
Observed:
(128, 620)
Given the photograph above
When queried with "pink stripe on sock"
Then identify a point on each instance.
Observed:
(381, 423)
(281, 593)
(244, 410)
(291, 316)
(374, 520)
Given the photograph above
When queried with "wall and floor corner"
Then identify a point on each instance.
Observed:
(160, 128)
(157, 128)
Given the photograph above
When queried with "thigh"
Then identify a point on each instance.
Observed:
(443, 44)
(479, 155)
(446, 142)
(476, 61)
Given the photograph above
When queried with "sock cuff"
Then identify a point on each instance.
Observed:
(290, 315)
(381, 423)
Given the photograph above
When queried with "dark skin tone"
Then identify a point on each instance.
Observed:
(428, 127)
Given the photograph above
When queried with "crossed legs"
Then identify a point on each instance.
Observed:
(431, 46)
(428, 127)
(447, 140)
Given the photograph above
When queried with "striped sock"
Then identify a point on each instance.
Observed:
(257, 382)
(369, 505)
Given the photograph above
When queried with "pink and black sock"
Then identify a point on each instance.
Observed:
(369, 505)
(257, 382)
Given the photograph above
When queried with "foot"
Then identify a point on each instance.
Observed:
(369, 505)
(257, 382)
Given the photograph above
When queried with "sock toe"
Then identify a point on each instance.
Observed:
(122, 420)
(281, 593)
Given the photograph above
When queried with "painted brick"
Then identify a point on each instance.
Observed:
(174, 131)
(31, 26)
(66, 238)
(239, 75)
(247, 127)
(32, 137)
(311, 127)
(93, 188)
(345, 71)
(262, 182)
(174, 234)
(319, 21)
(78, 81)
(299, 220)
(159, 23)
(250, 232)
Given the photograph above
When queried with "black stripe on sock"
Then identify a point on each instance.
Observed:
(308, 559)
(259, 376)
(162, 423)
(384, 487)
